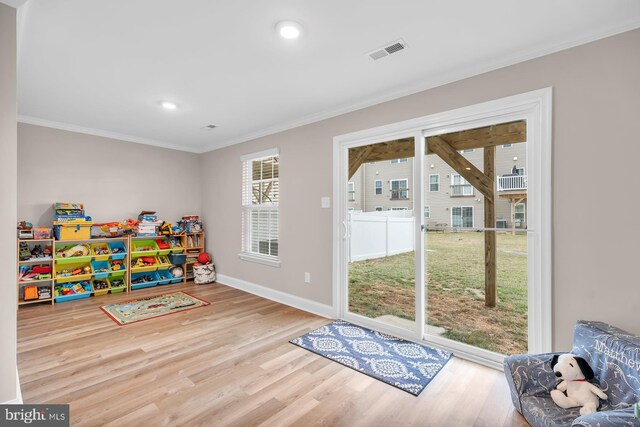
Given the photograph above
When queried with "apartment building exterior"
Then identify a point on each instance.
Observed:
(449, 199)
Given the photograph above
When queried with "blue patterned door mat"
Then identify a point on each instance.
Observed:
(402, 364)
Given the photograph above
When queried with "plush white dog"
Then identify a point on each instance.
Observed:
(575, 373)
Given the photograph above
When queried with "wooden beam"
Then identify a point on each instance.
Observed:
(488, 136)
(490, 289)
(357, 156)
(462, 166)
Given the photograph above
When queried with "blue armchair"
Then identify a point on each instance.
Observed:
(614, 356)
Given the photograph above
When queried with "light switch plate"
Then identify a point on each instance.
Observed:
(325, 202)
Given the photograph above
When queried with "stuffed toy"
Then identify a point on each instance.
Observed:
(574, 389)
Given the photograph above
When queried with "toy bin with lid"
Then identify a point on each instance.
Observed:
(118, 250)
(144, 248)
(72, 230)
(144, 280)
(101, 269)
(72, 291)
(73, 272)
(100, 286)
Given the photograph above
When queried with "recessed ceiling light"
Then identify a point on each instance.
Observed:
(289, 29)
(167, 105)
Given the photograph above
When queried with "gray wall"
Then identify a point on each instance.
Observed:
(596, 108)
(114, 179)
(8, 178)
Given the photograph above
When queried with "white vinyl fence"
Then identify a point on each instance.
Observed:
(380, 234)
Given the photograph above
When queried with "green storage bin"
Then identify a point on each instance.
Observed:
(144, 248)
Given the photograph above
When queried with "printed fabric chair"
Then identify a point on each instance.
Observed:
(614, 356)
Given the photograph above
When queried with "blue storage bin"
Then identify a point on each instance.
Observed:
(177, 259)
(120, 246)
(176, 279)
(97, 265)
(153, 275)
(85, 284)
(164, 277)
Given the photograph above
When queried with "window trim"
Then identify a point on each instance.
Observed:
(351, 191)
(427, 208)
(406, 180)
(400, 160)
(468, 184)
(438, 183)
(269, 260)
(375, 188)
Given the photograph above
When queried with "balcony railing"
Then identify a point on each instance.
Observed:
(512, 182)
(399, 194)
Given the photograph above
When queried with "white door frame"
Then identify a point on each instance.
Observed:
(536, 108)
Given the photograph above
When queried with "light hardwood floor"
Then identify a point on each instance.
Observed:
(227, 364)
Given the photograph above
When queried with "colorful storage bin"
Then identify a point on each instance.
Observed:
(144, 280)
(164, 277)
(68, 254)
(101, 269)
(144, 248)
(177, 259)
(100, 251)
(80, 290)
(140, 264)
(100, 286)
(163, 246)
(118, 267)
(64, 272)
(118, 284)
(118, 250)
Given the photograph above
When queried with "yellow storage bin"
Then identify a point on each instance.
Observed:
(144, 264)
(73, 230)
(73, 272)
(100, 251)
(100, 286)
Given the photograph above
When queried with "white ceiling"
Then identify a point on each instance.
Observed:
(103, 66)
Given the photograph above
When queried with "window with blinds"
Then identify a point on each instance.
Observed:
(260, 204)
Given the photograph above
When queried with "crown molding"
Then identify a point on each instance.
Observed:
(103, 133)
(437, 81)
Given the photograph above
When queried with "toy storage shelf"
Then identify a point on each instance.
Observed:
(194, 243)
(100, 256)
(159, 271)
(28, 264)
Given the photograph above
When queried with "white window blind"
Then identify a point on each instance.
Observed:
(260, 204)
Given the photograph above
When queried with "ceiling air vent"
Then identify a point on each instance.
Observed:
(387, 50)
(209, 127)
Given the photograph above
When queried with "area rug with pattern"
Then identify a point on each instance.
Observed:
(151, 307)
(403, 364)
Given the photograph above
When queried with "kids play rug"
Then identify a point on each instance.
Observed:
(403, 364)
(146, 308)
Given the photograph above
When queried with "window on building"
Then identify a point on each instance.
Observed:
(462, 216)
(506, 145)
(260, 206)
(403, 160)
(468, 150)
(399, 189)
(351, 192)
(427, 212)
(399, 209)
(378, 186)
(460, 186)
(434, 182)
(378, 208)
(520, 213)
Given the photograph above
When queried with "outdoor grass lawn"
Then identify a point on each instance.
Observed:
(455, 289)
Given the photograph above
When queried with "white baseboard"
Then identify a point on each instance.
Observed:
(18, 399)
(304, 304)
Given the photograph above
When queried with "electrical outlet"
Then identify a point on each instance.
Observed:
(307, 277)
(325, 202)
